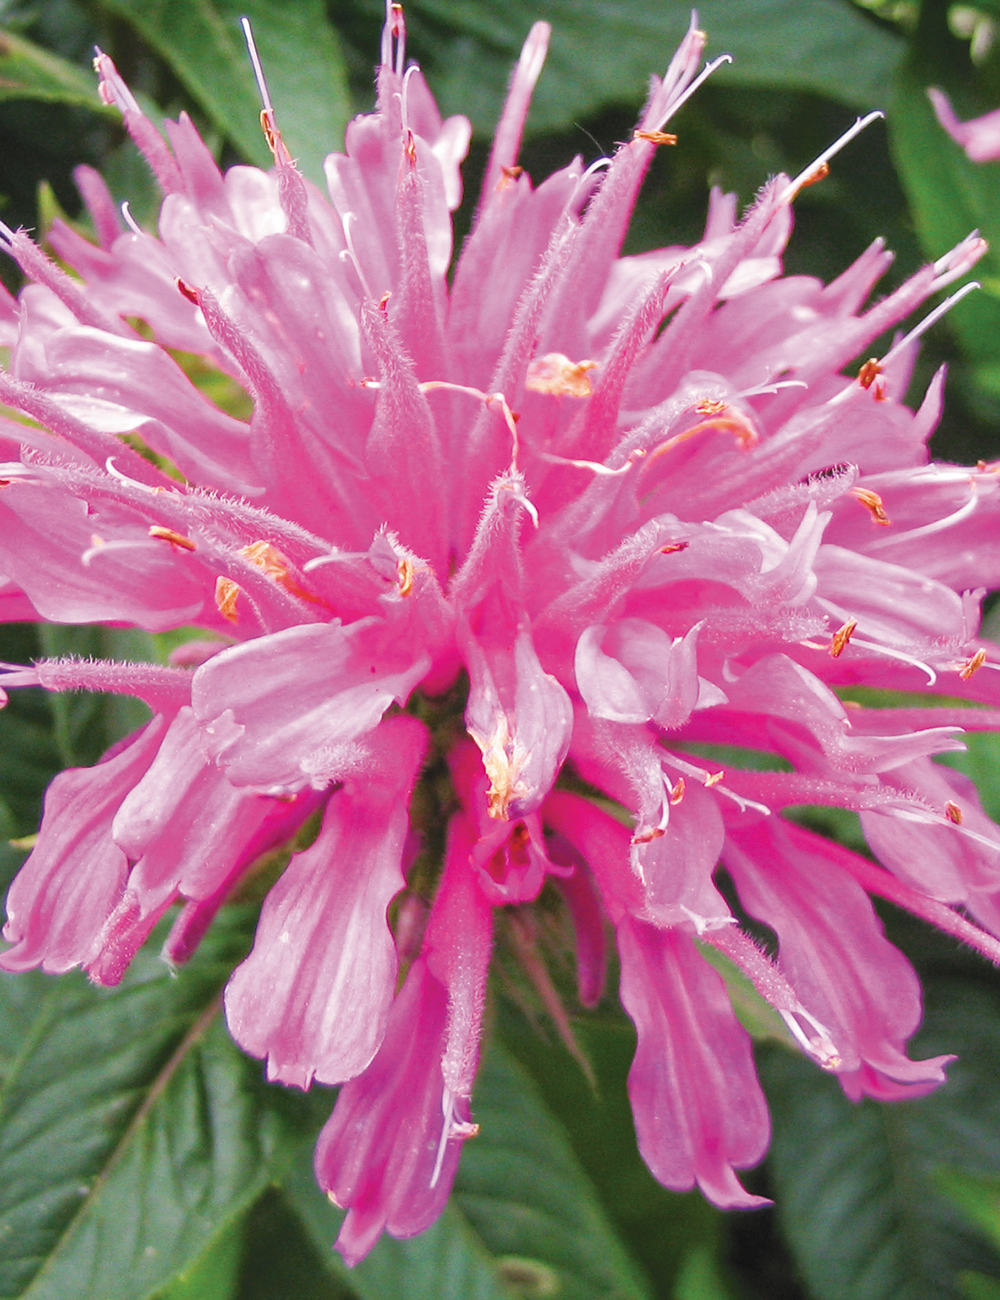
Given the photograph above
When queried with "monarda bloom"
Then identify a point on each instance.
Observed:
(512, 545)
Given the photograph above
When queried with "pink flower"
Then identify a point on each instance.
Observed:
(980, 137)
(614, 509)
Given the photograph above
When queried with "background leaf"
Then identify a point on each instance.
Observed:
(27, 71)
(603, 53)
(203, 43)
(856, 1185)
(134, 1133)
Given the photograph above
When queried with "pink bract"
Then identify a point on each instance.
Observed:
(622, 510)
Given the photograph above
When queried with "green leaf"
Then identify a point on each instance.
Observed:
(949, 196)
(133, 1133)
(976, 1194)
(29, 72)
(203, 43)
(524, 1219)
(977, 1286)
(215, 1275)
(522, 1188)
(604, 53)
(856, 1186)
(700, 1278)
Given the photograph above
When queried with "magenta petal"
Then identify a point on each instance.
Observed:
(389, 1151)
(699, 1111)
(832, 950)
(326, 685)
(313, 996)
(74, 878)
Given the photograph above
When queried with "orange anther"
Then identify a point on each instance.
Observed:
(655, 137)
(404, 575)
(186, 291)
(873, 503)
(677, 793)
(383, 303)
(647, 836)
(953, 812)
(512, 173)
(869, 372)
(709, 406)
(972, 665)
(226, 592)
(841, 637)
(673, 547)
(174, 538)
(713, 778)
(821, 172)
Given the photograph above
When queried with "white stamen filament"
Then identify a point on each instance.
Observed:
(6, 234)
(349, 255)
(681, 100)
(258, 70)
(821, 1047)
(949, 521)
(929, 320)
(130, 221)
(109, 465)
(432, 384)
(804, 176)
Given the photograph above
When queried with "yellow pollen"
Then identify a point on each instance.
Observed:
(226, 592)
(973, 665)
(556, 374)
(953, 812)
(502, 761)
(655, 137)
(841, 637)
(677, 793)
(873, 503)
(404, 574)
(714, 778)
(711, 406)
(174, 538)
(271, 562)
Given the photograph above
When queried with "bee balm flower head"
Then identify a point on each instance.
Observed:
(557, 524)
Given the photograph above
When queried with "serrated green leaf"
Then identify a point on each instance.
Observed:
(602, 54)
(27, 71)
(133, 1133)
(203, 43)
(524, 1218)
(949, 196)
(856, 1185)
